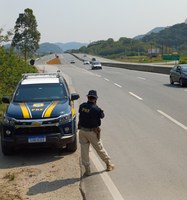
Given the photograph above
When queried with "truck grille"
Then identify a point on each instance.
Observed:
(37, 130)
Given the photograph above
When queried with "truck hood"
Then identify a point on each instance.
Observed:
(38, 110)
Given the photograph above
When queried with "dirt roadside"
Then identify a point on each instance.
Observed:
(43, 174)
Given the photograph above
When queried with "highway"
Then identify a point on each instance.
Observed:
(144, 131)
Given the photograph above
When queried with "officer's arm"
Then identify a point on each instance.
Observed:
(80, 108)
(102, 114)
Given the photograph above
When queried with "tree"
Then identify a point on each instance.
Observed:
(26, 38)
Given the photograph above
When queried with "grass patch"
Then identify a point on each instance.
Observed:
(140, 59)
(183, 59)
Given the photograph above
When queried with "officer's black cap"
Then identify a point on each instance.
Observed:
(92, 93)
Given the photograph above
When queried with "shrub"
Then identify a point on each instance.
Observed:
(11, 69)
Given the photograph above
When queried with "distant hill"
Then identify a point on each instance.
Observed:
(155, 30)
(70, 45)
(174, 36)
(46, 48)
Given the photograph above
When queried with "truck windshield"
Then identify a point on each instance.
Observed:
(40, 92)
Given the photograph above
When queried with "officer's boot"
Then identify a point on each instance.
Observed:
(87, 171)
(109, 166)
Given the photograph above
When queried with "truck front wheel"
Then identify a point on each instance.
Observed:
(7, 149)
(72, 147)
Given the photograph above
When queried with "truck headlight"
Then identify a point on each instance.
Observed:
(65, 118)
(8, 121)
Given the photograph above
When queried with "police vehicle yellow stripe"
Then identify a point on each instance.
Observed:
(50, 109)
(73, 111)
(25, 111)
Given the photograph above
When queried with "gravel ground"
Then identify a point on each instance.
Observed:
(44, 175)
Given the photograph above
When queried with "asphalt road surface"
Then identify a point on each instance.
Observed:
(144, 132)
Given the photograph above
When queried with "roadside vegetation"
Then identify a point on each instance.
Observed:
(24, 40)
(11, 69)
(183, 59)
(147, 59)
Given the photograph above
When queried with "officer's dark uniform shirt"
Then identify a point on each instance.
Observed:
(90, 115)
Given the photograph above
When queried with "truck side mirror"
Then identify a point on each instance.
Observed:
(5, 99)
(74, 96)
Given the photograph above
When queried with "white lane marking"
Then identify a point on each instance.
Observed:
(106, 79)
(85, 71)
(82, 70)
(97, 75)
(106, 178)
(117, 85)
(135, 96)
(173, 120)
(141, 78)
(185, 90)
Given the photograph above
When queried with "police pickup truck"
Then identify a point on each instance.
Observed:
(40, 113)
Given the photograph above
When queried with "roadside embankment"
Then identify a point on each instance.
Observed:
(149, 67)
(140, 67)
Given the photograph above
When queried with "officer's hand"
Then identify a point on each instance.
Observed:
(102, 114)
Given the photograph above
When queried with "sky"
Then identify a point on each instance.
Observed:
(92, 20)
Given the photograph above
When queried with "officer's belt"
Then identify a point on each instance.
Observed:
(86, 129)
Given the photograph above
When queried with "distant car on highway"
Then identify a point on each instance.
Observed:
(86, 62)
(178, 74)
(96, 65)
(92, 60)
(72, 61)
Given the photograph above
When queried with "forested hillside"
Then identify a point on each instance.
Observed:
(112, 49)
(174, 37)
(171, 39)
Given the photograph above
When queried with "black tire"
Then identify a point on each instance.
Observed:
(181, 82)
(7, 149)
(72, 147)
(171, 80)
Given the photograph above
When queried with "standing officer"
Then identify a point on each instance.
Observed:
(90, 116)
